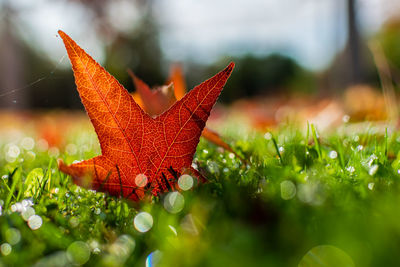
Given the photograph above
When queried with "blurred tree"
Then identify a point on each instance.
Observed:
(389, 37)
(273, 74)
(139, 50)
(353, 49)
(11, 63)
(354, 65)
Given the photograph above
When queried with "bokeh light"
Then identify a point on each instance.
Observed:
(154, 258)
(185, 182)
(174, 202)
(35, 222)
(143, 222)
(78, 252)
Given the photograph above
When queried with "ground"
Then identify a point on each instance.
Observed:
(301, 198)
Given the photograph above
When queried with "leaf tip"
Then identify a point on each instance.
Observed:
(61, 34)
(229, 68)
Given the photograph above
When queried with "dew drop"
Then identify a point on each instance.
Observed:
(333, 154)
(350, 169)
(268, 136)
(185, 182)
(78, 252)
(13, 236)
(35, 222)
(373, 169)
(13, 151)
(173, 230)
(28, 143)
(27, 213)
(154, 258)
(288, 190)
(143, 222)
(5, 249)
(174, 202)
(326, 255)
(371, 186)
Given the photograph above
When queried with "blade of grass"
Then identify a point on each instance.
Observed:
(277, 149)
(316, 141)
(49, 174)
(15, 180)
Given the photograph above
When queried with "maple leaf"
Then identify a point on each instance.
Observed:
(133, 144)
(157, 100)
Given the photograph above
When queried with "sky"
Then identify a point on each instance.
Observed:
(310, 31)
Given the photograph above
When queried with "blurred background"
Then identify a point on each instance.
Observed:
(332, 56)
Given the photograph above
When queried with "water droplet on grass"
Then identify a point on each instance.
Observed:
(35, 222)
(350, 169)
(373, 169)
(173, 230)
(13, 151)
(288, 190)
(5, 249)
(28, 143)
(327, 256)
(143, 222)
(185, 182)
(371, 186)
(29, 211)
(213, 167)
(174, 202)
(333, 154)
(74, 222)
(13, 236)
(78, 252)
(154, 258)
(268, 136)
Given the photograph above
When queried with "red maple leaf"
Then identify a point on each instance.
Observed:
(133, 144)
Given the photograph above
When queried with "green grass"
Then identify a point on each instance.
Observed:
(296, 192)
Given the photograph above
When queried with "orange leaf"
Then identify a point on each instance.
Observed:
(132, 142)
(155, 101)
(176, 77)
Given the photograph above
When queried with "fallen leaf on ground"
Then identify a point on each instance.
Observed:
(133, 144)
